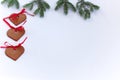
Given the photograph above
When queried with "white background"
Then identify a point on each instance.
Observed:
(63, 47)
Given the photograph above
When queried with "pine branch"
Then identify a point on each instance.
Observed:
(66, 6)
(42, 6)
(29, 5)
(85, 8)
(11, 3)
(71, 6)
(59, 4)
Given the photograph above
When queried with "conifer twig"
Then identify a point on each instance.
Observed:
(85, 8)
(11, 3)
(41, 6)
(66, 6)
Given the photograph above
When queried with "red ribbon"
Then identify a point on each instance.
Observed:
(16, 29)
(14, 16)
(8, 45)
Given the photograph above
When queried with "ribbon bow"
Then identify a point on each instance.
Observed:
(15, 15)
(8, 45)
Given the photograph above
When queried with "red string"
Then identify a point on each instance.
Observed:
(14, 16)
(16, 29)
(8, 45)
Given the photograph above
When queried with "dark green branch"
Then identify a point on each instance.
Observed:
(66, 6)
(11, 3)
(41, 7)
(85, 8)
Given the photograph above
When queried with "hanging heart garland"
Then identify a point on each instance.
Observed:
(15, 33)
(16, 19)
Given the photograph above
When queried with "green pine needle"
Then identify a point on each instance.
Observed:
(29, 6)
(71, 6)
(59, 5)
(66, 6)
(46, 5)
(17, 4)
(85, 8)
(42, 6)
(36, 11)
(41, 13)
(2, 2)
(11, 3)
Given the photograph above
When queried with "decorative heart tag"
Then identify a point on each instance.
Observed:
(14, 53)
(16, 20)
(15, 35)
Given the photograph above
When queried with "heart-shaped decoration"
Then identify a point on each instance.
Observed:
(14, 53)
(15, 35)
(18, 19)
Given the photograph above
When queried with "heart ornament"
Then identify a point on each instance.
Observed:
(17, 19)
(14, 53)
(15, 35)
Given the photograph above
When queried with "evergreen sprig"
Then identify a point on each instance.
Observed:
(85, 8)
(11, 3)
(41, 6)
(66, 6)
